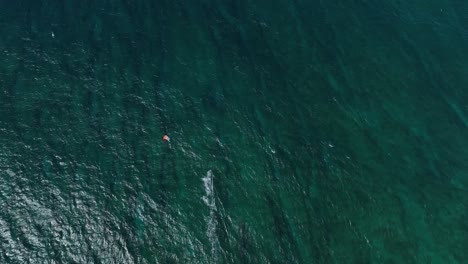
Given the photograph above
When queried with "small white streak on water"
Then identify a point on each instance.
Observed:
(211, 223)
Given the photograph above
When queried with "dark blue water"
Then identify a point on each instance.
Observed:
(301, 131)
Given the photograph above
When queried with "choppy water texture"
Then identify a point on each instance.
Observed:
(301, 131)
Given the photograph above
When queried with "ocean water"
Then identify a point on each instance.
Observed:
(301, 131)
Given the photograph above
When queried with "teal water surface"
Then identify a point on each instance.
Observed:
(301, 131)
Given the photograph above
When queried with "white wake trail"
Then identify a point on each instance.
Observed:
(210, 200)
